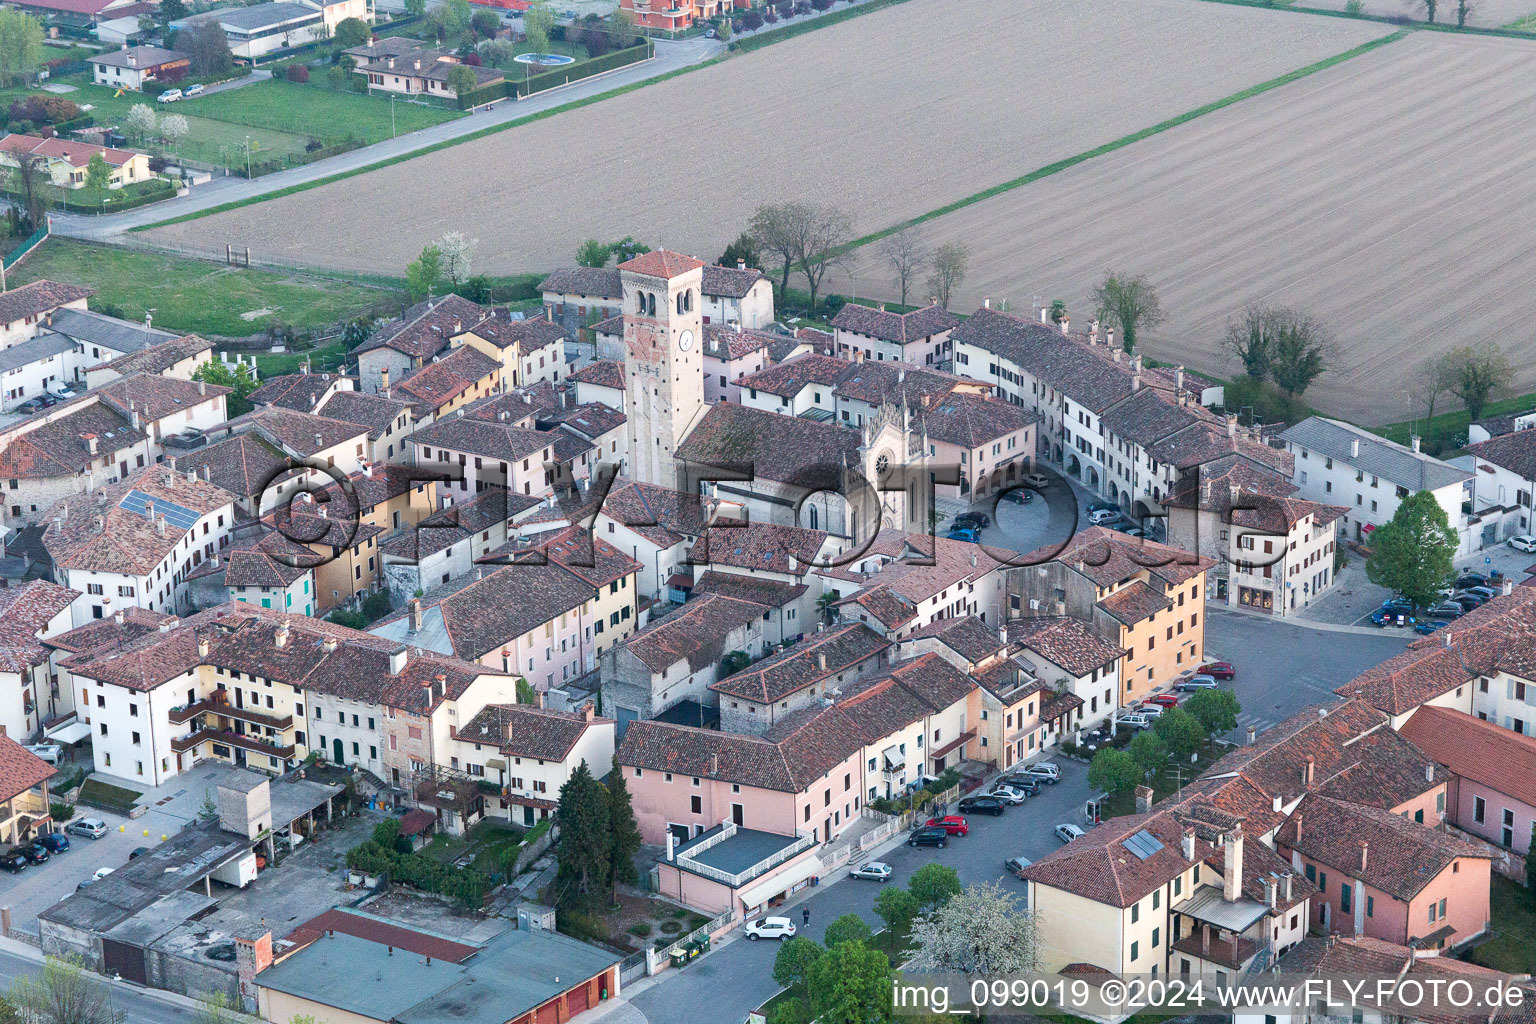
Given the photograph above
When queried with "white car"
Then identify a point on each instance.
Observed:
(101, 873)
(1037, 480)
(1008, 795)
(1524, 542)
(780, 928)
(1200, 682)
(195, 89)
(1045, 771)
(875, 870)
(1150, 711)
(1067, 833)
(169, 96)
(1135, 721)
(1098, 517)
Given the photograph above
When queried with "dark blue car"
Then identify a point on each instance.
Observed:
(964, 533)
(1426, 628)
(55, 842)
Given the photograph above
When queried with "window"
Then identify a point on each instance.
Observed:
(1479, 809)
(697, 804)
(1135, 914)
(1370, 906)
(1345, 892)
(1156, 936)
(1135, 951)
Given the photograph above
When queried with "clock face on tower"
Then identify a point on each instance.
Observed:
(685, 341)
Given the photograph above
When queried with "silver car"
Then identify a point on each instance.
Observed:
(1067, 832)
(93, 827)
(875, 870)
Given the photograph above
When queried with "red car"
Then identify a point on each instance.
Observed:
(1164, 700)
(953, 824)
(1219, 670)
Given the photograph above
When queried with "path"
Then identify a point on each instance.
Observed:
(669, 57)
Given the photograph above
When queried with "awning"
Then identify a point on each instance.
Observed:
(781, 880)
(70, 732)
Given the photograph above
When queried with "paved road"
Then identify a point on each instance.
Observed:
(670, 56)
(139, 1005)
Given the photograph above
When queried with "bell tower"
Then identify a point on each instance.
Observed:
(663, 360)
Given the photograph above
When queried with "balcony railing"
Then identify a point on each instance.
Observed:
(803, 841)
(181, 744)
(209, 705)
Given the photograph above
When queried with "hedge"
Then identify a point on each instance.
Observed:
(546, 80)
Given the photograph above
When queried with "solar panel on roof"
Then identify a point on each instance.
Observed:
(1143, 844)
(176, 515)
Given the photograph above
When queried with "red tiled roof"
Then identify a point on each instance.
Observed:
(20, 769)
(1479, 751)
(661, 263)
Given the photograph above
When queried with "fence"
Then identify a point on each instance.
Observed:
(633, 966)
(236, 256)
(660, 959)
(17, 254)
(547, 80)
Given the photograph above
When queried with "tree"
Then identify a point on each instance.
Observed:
(98, 175)
(415, 8)
(352, 32)
(1530, 864)
(1128, 302)
(773, 234)
(1429, 7)
(241, 381)
(453, 17)
(214, 1008)
(1216, 710)
(1433, 378)
(624, 838)
(30, 178)
(1113, 771)
(458, 256)
(174, 128)
(461, 79)
(950, 262)
(1463, 9)
(792, 965)
(1301, 351)
(526, 694)
(592, 253)
(725, 30)
(171, 10)
(1181, 730)
(741, 251)
(905, 252)
(63, 994)
(1478, 373)
(819, 239)
(584, 845)
(21, 46)
(983, 930)
(851, 984)
(1148, 751)
(1412, 554)
(485, 23)
(932, 886)
(538, 23)
(1250, 338)
(848, 928)
(207, 46)
(897, 908)
(140, 121)
(423, 273)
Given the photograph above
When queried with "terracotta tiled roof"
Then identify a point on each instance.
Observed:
(510, 602)
(1515, 452)
(607, 373)
(661, 263)
(790, 378)
(729, 282)
(1107, 558)
(103, 536)
(117, 629)
(270, 560)
(526, 731)
(300, 391)
(25, 611)
(155, 397)
(243, 464)
(966, 635)
(301, 433)
(725, 342)
(1090, 376)
(1065, 641)
(787, 449)
(578, 551)
(911, 568)
(1478, 751)
(376, 412)
(20, 769)
(766, 547)
(899, 328)
(424, 329)
(158, 358)
(757, 589)
(590, 420)
(891, 381)
(528, 334)
(1100, 867)
(1135, 602)
(61, 445)
(818, 656)
(598, 282)
(1403, 856)
(971, 420)
(696, 633)
(659, 514)
(438, 383)
(477, 430)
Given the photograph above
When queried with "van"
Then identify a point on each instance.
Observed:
(169, 96)
(195, 89)
(1135, 721)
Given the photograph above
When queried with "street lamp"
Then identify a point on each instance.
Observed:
(247, 158)
(391, 115)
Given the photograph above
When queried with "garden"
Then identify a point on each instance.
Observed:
(388, 855)
(1179, 745)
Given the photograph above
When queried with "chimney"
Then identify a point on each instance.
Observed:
(329, 645)
(821, 660)
(1447, 637)
(1415, 440)
(1143, 799)
(202, 646)
(1308, 770)
(589, 712)
(1365, 856)
(415, 610)
(397, 659)
(202, 387)
(281, 639)
(741, 264)
(319, 440)
(986, 303)
(160, 525)
(442, 684)
(1109, 338)
(1285, 887)
(1277, 803)
(1178, 377)
(1269, 891)
(389, 62)
(714, 764)
(90, 443)
(1508, 587)
(1205, 940)
(203, 473)
(538, 698)
(384, 379)
(1252, 734)
(1232, 865)
(1066, 324)
(1297, 819)
(1232, 424)
(1354, 448)
(1429, 773)
(118, 616)
(1136, 380)
(1187, 844)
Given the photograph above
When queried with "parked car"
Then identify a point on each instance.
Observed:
(93, 827)
(1103, 506)
(1446, 610)
(28, 408)
(1218, 670)
(780, 928)
(1426, 628)
(1470, 579)
(875, 870)
(195, 89)
(1135, 720)
(1008, 794)
(57, 842)
(1150, 710)
(963, 533)
(50, 752)
(138, 851)
(1100, 517)
(982, 805)
(1382, 617)
(1019, 495)
(928, 837)
(101, 873)
(1016, 865)
(1469, 601)
(1128, 528)
(1486, 593)
(1036, 480)
(169, 96)
(13, 862)
(1199, 681)
(35, 852)
(1163, 700)
(1029, 785)
(1067, 832)
(973, 520)
(1048, 772)
(950, 823)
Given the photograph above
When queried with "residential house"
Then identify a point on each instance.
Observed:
(168, 357)
(253, 469)
(423, 72)
(133, 544)
(266, 569)
(602, 381)
(389, 421)
(530, 349)
(447, 383)
(901, 582)
(173, 412)
(657, 527)
(992, 443)
(578, 297)
(754, 699)
(134, 67)
(1080, 668)
(586, 437)
(66, 162)
(731, 352)
(450, 543)
(736, 295)
(797, 387)
(29, 615)
(410, 342)
(262, 28)
(327, 448)
(491, 443)
(1393, 878)
(74, 447)
(920, 336)
(25, 809)
(1503, 482)
(1145, 598)
(1343, 464)
(770, 565)
(347, 562)
(301, 392)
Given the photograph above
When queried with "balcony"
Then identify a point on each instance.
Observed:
(1228, 951)
(212, 705)
(181, 744)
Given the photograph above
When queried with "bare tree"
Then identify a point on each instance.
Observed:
(950, 262)
(1478, 373)
(819, 236)
(1429, 7)
(1129, 302)
(1463, 9)
(63, 994)
(1433, 378)
(906, 253)
(1302, 350)
(1251, 340)
(772, 229)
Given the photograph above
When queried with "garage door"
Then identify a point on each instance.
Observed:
(125, 960)
(576, 1001)
(549, 1013)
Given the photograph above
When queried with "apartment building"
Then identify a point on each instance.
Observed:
(921, 337)
(736, 296)
(902, 582)
(30, 615)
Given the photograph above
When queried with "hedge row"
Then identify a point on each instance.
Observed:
(546, 80)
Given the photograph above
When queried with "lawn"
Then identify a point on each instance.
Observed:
(1513, 947)
(194, 296)
(1448, 431)
(315, 111)
(95, 793)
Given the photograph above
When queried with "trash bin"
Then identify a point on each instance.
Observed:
(815, 881)
(679, 959)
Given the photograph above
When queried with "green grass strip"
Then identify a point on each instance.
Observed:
(1121, 143)
(777, 35)
(1524, 28)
